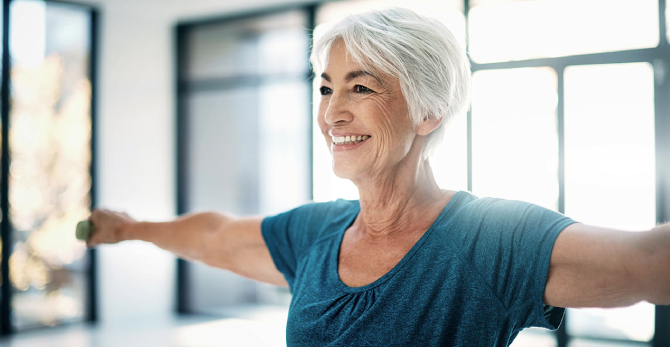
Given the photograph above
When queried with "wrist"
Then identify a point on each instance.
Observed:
(128, 231)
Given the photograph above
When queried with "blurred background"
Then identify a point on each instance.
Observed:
(158, 108)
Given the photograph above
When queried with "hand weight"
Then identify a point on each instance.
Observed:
(84, 230)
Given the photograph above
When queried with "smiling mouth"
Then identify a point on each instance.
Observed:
(348, 140)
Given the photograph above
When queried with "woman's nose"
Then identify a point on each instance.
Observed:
(338, 109)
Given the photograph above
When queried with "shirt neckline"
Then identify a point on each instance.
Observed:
(335, 255)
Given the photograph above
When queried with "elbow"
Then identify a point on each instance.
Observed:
(217, 257)
(214, 247)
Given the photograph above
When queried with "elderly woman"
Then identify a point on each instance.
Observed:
(410, 264)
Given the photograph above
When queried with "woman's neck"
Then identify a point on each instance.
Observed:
(405, 199)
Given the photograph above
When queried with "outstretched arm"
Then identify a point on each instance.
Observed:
(601, 267)
(216, 239)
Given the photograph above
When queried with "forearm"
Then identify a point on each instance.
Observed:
(187, 236)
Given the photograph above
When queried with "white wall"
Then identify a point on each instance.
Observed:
(136, 145)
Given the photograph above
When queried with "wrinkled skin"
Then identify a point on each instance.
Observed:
(364, 105)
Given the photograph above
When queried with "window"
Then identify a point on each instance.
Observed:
(512, 109)
(50, 145)
(519, 30)
(594, 122)
(244, 127)
(609, 172)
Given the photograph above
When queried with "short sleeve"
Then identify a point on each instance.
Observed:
(289, 235)
(509, 243)
(275, 231)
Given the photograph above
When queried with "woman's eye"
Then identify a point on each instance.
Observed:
(325, 90)
(361, 89)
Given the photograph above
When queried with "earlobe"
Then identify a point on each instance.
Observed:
(428, 125)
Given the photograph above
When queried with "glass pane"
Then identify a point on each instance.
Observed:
(230, 170)
(284, 153)
(450, 160)
(222, 163)
(223, 152)
(610, 172)
(552, 28)
(453, 176)
(234, 181)
(50, 147)
(275, 44)
(247, 143)
(514, 135)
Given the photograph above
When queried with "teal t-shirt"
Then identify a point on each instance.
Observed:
(475, 278)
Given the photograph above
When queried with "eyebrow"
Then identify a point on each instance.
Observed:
(353, 74)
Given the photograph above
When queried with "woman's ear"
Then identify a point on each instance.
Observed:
(428, 125)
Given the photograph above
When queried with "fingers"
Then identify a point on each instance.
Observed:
(89, 244)
(93, 215)
(108, 225)
(94, 219)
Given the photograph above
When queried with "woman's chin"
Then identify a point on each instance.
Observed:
(343, 171)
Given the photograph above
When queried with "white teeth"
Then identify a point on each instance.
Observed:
(349, 139)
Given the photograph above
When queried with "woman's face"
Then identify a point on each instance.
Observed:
(354, 103)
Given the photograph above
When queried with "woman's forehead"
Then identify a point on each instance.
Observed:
(339, 57)
(352, 75)
(341, 65)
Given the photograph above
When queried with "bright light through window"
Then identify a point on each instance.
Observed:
(450, 160)
(514, 136)
(609, 172)
(29, 25)
(553, 28)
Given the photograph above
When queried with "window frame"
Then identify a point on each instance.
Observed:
(183, 86)
(6, 231)
(658, 58)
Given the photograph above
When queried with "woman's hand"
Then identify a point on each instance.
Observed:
(109, 226)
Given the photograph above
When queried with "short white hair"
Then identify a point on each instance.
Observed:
(430, 64)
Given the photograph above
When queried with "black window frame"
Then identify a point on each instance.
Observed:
(183, 87)
(659, 58)
(91, 314)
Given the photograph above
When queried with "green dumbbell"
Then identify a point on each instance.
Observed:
(84, 230)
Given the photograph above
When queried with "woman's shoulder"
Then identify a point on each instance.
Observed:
(317, 217)
(491, 213)
(471, 202)
(326, 210)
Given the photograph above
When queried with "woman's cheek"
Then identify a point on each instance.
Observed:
(323, 126)
(320, 118)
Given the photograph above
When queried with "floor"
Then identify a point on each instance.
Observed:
(249, 328)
